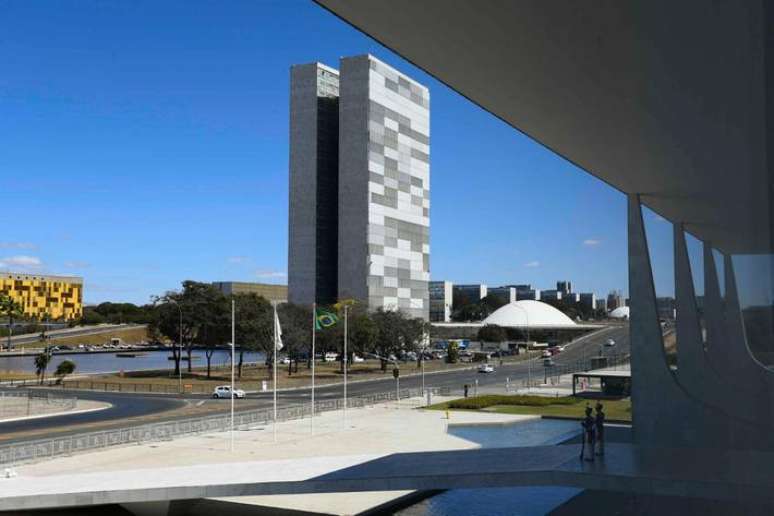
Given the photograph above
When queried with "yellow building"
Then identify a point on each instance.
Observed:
(56, 297)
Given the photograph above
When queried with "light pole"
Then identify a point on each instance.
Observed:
(396, 376)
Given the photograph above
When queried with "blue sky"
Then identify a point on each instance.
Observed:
(145, 143)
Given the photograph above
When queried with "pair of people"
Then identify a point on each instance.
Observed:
(593, 432)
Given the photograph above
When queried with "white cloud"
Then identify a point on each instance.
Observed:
(533, 263)
(77, 264)
(237, 259)
(17, 245)
(591, 242)
(270, 274)
(21, 262)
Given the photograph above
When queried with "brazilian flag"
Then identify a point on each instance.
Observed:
(324, 319)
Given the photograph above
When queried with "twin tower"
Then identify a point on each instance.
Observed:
(359, 186)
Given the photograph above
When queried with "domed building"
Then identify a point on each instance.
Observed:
(622, 312)
(530, 314)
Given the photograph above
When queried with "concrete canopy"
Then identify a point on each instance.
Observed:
(664, 99)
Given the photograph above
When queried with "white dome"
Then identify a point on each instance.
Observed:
(622, 312)
(534, 314)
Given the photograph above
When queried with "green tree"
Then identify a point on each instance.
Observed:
(296, 322)
(390, 332)
(64, 368)
(492, 333)
(254, 326)
(12, 310)
(452, 353)
(42, 360)
(363, 333)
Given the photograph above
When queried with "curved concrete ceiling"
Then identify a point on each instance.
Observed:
(664, 99)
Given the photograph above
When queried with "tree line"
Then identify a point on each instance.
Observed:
(199, 316)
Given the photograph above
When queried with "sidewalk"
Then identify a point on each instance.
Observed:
(379, 430)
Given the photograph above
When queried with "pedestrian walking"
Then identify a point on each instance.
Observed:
(465, 388)
(599, 424)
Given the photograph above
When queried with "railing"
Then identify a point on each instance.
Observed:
(551, 374)
(24, 404)
(40, 449)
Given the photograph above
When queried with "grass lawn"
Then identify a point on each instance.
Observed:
(565, 406)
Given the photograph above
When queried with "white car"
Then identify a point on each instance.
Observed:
(224, 391)
(485, 368)
(546, 354)
(356, 359)
(284, 360)
(609, 343)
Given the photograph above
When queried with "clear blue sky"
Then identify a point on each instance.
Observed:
(144, 143)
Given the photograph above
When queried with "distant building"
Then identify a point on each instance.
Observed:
(614, 300)
(507, 294)
(526, 292)
(441, 301)
(588, 300)
(602, 304)
(359, 217)
(551, 295)
(565, 287)
(666, 307)
(467, 294)
(44, 297)
(277, 293)
(571, 298)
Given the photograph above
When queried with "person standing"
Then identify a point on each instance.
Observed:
(599, 424)
(589, 437)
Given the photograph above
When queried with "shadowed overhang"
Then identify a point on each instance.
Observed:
(665, 99)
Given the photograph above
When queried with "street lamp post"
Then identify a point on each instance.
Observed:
(396, 376)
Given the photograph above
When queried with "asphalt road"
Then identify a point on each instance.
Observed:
(126, 406)
(70, 332)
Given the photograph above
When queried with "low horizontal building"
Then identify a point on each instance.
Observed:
(44, 297)
(277, 293)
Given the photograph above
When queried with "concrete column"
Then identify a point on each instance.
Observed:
(717, 343)
(691, 364)
(661, 413)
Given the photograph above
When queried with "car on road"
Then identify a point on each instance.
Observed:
(609, 343)
(224, 391)
(485, 368)
(546, 354)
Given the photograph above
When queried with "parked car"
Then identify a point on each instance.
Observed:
(485, 368)
(609, 343)
(224, 391)
(284, 360)
(356, 359)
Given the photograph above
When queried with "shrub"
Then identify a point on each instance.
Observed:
(491, 400)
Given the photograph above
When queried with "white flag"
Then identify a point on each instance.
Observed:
(277, 332)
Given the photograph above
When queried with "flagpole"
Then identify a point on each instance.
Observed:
(233, 352)
(275, 371)
(314, 324)
(346, 363)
